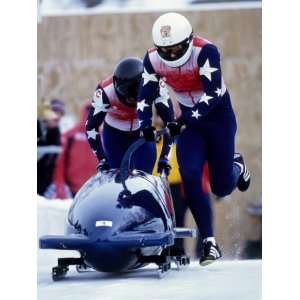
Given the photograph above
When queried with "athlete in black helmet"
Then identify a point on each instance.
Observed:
(126, 79)
(114, 104)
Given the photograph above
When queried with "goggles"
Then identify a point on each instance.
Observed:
(174, 52)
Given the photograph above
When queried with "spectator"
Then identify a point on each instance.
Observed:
(48, 142)
(76, 163)
(67, 121)
(58, 106)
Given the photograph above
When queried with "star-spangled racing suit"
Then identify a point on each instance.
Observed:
(210, 124)
(121, 126)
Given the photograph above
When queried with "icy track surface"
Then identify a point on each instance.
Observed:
(232, 280)
(238, 280)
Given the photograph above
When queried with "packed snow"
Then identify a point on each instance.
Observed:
(75, 7)
(232, 280)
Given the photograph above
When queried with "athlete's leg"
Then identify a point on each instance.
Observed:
(144, 158)
(191, 156)
(115, 143)
(220, 138)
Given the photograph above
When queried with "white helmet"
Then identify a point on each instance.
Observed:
(172, 34)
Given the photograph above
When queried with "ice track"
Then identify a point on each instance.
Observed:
(223, 280)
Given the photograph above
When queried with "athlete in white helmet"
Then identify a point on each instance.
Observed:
(190, 66)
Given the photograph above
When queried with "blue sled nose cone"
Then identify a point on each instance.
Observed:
(123, 251)
(109, 259)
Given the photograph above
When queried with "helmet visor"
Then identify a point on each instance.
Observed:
(174, 52)
(127, 88)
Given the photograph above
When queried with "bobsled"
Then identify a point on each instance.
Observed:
(120, 220)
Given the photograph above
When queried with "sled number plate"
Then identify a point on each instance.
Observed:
(103, 223)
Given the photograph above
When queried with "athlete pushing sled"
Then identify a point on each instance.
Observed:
(190, 65)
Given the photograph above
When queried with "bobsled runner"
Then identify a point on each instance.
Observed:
(120, 220)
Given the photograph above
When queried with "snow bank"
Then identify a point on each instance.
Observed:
(52, 215)
(67, 7)
(51, 220)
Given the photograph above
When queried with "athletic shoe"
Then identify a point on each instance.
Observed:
(245, 176)
(211, 252)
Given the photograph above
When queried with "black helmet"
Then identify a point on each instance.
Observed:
(127, 77)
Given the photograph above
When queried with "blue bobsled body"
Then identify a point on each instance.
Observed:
(112, 230)
(120, 220)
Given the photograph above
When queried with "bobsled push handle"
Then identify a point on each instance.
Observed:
(181, 233)
(125, 164)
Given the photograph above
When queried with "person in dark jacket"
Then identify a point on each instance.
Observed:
(48, 145)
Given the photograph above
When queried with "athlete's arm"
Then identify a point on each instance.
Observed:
(149, 91)
(211, 77)
(164, 105)
(100, 105)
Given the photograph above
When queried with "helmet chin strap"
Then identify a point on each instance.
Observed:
(131, 103)
(127, 101)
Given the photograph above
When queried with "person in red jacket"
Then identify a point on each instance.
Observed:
(77, 163)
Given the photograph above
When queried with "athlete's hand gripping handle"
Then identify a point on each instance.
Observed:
(103, 165)
(163, 166)
(149, 134)
(175, 127)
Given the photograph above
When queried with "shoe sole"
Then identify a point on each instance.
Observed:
(207, 262)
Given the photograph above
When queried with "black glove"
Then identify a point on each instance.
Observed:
(103, 165)
(163, 165)
(175, 128)
(148, 133)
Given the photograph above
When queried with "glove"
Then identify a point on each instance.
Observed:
(163, 165)
(103, 165)
(148, 134)
(174, 128)
(58, 191)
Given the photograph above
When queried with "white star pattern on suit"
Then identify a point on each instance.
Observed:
(206, 70)
(92, 134)
(162, 100)
(141, 105)
(148, 77)
(98, 104)
(205, 98)
(195, 114)
(218, 92)
(164, 96)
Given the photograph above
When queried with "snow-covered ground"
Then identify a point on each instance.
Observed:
(71, 7)
(232, 280)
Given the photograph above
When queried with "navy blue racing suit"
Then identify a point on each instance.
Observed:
(210, 122)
